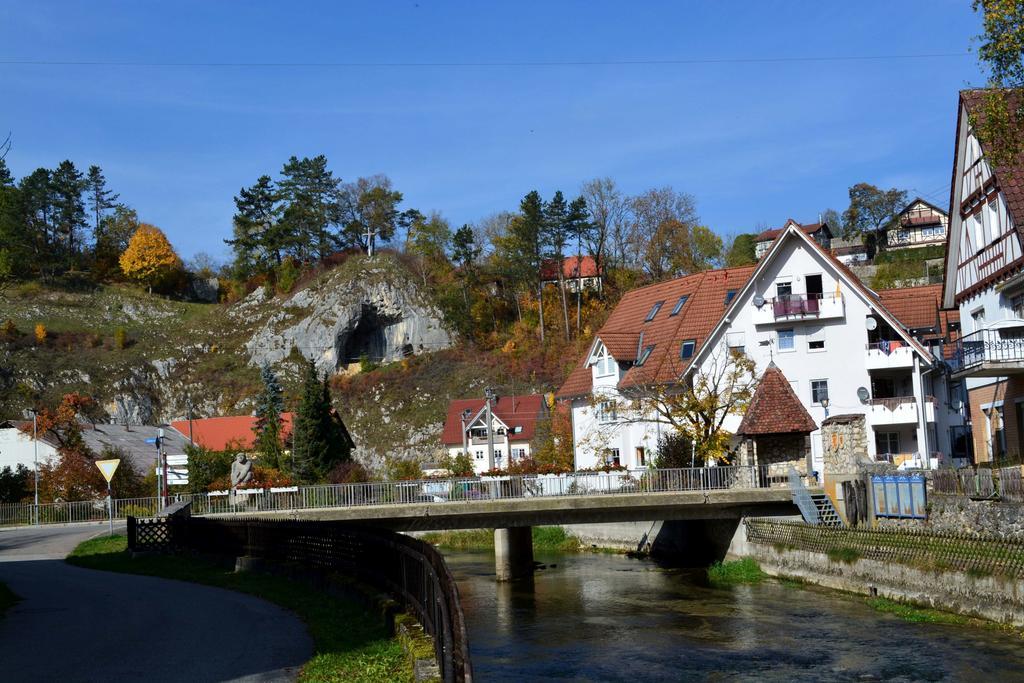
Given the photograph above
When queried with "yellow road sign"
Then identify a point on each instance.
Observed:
(108, 467)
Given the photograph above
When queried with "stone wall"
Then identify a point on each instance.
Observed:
(959, 514)
(844, 443)
(995, 598)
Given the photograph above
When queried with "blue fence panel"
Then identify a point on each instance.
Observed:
(899, 496)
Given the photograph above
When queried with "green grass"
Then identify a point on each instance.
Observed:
(916, 615)
(844, 555)
(545, 538)
(7, 599)
(349, 644)
(747, 570)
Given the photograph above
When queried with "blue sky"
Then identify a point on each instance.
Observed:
(754, 142)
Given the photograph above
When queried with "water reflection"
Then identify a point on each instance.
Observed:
(609, 618)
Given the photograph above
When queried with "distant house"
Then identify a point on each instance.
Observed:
(850, 252)
(514, 422)
(921, 224)
(577, 272)
(237, 431)
(819, 232)
(17, 447)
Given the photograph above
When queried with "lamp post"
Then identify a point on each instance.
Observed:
(35, 457)
(824, 404)
(489, 393)
(465, 438)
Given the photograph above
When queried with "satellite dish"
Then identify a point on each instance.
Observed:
(956, 404)
(862, 393)
(759, 301)
(870, 323)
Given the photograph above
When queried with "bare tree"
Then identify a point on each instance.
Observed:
(5, 147)
(609, 212)
(652, 211)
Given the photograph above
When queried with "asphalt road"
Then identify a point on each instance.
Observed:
(76, 624)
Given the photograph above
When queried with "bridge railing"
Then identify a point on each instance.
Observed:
(453, 490)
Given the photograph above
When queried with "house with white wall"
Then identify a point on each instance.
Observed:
(513, 425)
(17, 447)
(835, 341)
(819, 232)
(920, 224)
(984, 278)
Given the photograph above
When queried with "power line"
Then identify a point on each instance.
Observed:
(485, 64)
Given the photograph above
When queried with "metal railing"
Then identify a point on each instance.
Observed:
(800, 304)
(452, 490)
(894, 402)
(989, 346)
(409, 569)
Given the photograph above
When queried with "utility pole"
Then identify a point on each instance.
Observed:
(490, 395)
(188, 407)
(465, 439)
(35, 453)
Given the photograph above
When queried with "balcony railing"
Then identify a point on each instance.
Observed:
(888, 354)
(797, 306)
(989, 347)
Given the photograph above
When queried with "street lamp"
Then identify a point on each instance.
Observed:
(824, 404)
(490, 395)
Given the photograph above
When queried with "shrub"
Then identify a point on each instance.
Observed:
(28, 290)
(120, 338)
(675, 450)
(844, 554)
(288, 274)
(460, 465)
(400, 469)
(366, 365)
(738, 572)
(349, 472)
(9, 329)
(40, 333)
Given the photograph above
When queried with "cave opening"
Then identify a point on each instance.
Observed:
(367, 339)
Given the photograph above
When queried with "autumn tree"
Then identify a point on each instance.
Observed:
(742, 250)
(999, 125)
(371, 213)
(150, 259)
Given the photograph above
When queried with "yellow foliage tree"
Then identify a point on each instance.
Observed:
(150, 258)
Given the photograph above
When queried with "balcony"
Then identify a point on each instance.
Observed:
(799, 307)
(899, 410)
(990, 353)
(889, 355)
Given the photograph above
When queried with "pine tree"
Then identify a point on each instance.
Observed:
(37, 201)
(318, 443)
(269, 406)
(310, 192)
(580, 229)
(67, 184)
(260, 238)
(555, 237)
(6, 179)
(101, 200)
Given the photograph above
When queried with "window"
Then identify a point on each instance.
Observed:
(816, 339)
(518, 453)
(887, 442)
(786, 340)
(679, 305)
(605, 363)
(783, 290)
(497, 454)
(479, 455)
(641, 456)
(644, 355)
(978, 316)
(654, 311)
(611, 457)
(729, 296)
(606, 411)
(686, 350)
(1017, 305)
(819, 391)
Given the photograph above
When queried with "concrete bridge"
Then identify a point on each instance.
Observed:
(512, 506)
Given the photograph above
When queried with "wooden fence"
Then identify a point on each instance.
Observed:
(983, 555)
(982, 483)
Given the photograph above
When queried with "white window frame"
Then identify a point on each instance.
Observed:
(778, 340)
(816, 381)
(606, 412)
(693, 348)
(816, 334)
(606, 365)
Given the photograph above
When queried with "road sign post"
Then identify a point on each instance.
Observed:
(107, 469)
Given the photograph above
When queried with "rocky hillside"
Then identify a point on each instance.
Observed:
(145, 359)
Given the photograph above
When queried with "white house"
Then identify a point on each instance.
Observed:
(920, 224)
(819, 232)
(17, 447)
(985, 278)
(837, 343)
(513, 425)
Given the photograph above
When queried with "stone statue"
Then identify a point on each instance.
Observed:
(241, 471)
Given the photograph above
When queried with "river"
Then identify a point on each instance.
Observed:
(595, 617)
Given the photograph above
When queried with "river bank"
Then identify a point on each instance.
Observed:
(606, 617)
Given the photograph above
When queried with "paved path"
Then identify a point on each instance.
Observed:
(76, 624)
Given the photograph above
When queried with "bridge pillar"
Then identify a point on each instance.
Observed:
(513, 553)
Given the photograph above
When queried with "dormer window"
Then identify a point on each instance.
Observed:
(729, 296)
(644, 355)
(687, 348)
(604, 363)
(654, 311)
(679, 305)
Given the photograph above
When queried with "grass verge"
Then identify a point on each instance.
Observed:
(7, 599)
(747, 570)
(545, 538)
(348, 643)
(916, 615)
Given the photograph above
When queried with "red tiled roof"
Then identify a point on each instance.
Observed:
(704, 307)
(518, 411)
(769, 235)
(775, 409)
(921, 307)
(1010, 179)
(221, 433)
(572, 267)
